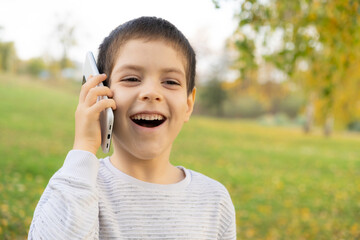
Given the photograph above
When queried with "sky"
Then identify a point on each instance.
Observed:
(31, 24)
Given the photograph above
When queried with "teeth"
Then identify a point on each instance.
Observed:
(147, 117)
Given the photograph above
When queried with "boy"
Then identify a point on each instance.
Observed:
(136, 193)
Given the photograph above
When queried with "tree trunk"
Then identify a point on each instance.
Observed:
(309, 118)
(328, 127)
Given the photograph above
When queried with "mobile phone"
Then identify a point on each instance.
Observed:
(106, 116)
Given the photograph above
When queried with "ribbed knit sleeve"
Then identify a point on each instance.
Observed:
(230, 232)
(68, 208)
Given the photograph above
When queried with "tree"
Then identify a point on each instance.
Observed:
(316, 43)
(35, 66)
(213, 96)
(8, 56)
(66, 35)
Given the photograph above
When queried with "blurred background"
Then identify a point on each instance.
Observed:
(277, 115)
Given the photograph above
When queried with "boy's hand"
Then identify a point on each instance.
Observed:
(87, 115)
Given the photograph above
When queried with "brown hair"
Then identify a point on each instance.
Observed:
(147, 28)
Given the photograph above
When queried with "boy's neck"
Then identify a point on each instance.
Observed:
(159, 171)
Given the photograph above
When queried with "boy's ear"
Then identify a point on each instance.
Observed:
(190, 104)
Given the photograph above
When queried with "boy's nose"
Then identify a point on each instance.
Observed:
(150, 95)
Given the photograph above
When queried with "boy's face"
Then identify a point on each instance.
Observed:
(149, 85)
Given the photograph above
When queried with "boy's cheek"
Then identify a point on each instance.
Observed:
(120, 97)
(122, 105)
(119, 108)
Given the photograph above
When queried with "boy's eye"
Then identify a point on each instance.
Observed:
(171, 82)
(130, 79)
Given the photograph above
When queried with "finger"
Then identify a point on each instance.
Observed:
(102, 105)
(92, 82)
(95, 92)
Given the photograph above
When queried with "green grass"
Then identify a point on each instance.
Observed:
(284, 184)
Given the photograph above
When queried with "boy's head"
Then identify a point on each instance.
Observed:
(146, 28)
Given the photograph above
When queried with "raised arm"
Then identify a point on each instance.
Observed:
(68, 208)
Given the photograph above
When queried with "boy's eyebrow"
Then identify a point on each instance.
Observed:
(129, 67)
(139, 68)
(173, 70)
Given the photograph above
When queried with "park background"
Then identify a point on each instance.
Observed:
(277, 115)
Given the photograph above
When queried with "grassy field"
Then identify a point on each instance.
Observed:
(284, 184)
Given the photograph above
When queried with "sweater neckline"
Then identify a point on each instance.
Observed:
(164, 187)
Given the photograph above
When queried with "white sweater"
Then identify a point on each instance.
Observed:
(91, 199)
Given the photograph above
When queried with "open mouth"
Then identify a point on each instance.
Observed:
(148, 120)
